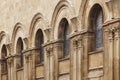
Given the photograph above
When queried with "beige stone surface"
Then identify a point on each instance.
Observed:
(23, 18)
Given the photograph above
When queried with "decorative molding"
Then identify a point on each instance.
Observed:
(28, 57)
(10, 60)
(80, 44)
(49, 50)
(110, 22)
(112, 28)
(77, 42)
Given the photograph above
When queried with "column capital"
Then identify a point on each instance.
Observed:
(49, 50)
(75, 43)
(117, 33)
(10, 60)
(27, 57)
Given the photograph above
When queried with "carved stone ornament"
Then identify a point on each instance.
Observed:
(27, 57)
(10, 60)
(80, 44)
(49, 50)
(113, 33)
(75, 43)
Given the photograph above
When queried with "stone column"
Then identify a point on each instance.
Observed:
(86, 38)
(112, 52)
(33, 64)
(10, 66)
(58, 53)
(49, 63)
(14, 75)
(110, 56)
(79, 59)
(30, 66)
(106, 52)
(26, 62)
(117, 54)
(55, 52)
(47, 76)
(74, 60)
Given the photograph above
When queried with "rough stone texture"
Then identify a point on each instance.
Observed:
(22, 18)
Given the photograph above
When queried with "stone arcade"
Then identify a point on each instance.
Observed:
(60, 40)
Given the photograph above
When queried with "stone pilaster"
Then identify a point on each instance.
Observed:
(58, 53)
(10, 66)
(76, 57)
(79, 58)
(117, 54)
(55, 52)
(86, 47)
(112, 52)
(49, 62)
(15, 67)
(51, 59)
(26, 65)
(106, 61)
(110, 55)
(74, 60)
(33, 65)
(29, 64)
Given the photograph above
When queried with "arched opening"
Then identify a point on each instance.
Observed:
(96, 21)
(19, 49)
(4, 60)
(63, 34)
(39, 40)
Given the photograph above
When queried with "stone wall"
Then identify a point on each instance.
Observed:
(23, 18)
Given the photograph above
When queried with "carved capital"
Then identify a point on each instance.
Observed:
(49, 50)
(80, 44)
(27, 57)
(113, 32)
(75, 44)
(117, 33)
(10, 60)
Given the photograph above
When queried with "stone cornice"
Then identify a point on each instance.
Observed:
(111, 22)
(29, 49)
(53, 42)
(82, 32)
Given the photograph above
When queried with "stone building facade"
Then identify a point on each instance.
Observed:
(60, 40)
